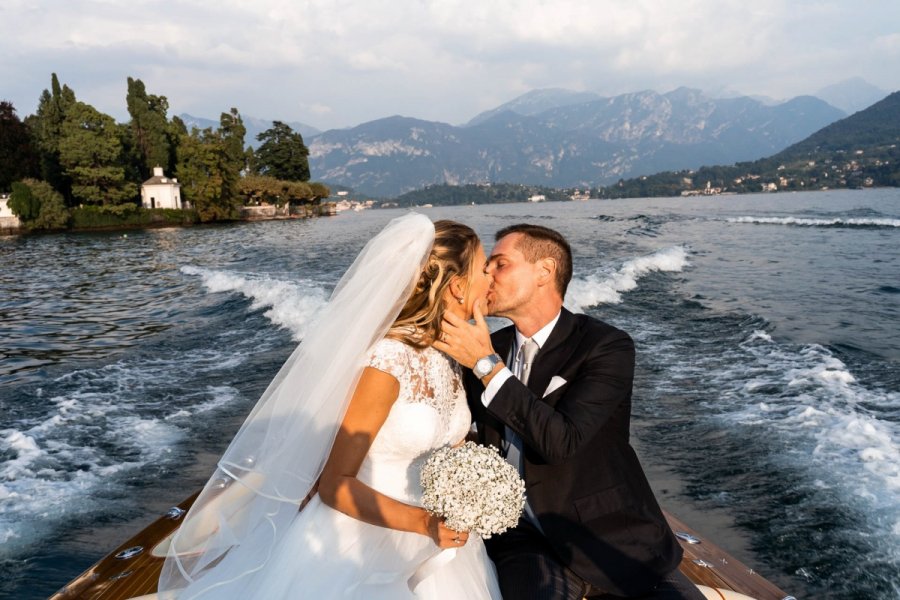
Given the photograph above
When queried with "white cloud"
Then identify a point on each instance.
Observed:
(340, 62)
(889, 44)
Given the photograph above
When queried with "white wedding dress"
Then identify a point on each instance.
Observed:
(327, 554)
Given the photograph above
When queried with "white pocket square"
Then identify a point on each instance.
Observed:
(555, 383)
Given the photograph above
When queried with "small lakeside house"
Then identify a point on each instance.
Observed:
(161, 192)
(7, 219)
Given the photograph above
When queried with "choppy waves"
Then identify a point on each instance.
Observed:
(607, 287)
(98, 425)
(800, 424)
(809, 222)
(105, 423)
(288, 304)
(811, 396)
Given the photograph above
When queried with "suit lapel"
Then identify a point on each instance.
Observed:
(503, 341)
(554, 354)
(550, 359)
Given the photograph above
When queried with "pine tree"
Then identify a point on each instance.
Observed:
(231, 133)
(90, 153)
(46, 126)
(150, 140)
(209, 166)
(282, 154)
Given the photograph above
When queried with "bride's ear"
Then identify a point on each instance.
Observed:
(458, 289)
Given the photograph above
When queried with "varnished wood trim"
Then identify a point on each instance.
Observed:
(96, 583)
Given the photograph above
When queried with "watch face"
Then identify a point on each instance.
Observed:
(483, 366)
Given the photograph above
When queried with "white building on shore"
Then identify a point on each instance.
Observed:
(161, 192)
(7, 219)
(5, 211)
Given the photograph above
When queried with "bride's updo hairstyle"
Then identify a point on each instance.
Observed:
(419, 321)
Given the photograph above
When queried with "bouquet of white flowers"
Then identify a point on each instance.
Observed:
(473, 488)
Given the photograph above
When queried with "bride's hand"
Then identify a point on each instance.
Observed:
(443, 536)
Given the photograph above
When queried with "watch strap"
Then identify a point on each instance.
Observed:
(491, 359)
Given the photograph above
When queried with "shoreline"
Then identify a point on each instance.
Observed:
(6, 231)
(327, 212)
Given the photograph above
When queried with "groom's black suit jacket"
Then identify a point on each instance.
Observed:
(583, 479)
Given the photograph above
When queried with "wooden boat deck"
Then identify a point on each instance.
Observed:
(113, 578)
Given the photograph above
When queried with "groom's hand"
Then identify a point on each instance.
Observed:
(463, 341)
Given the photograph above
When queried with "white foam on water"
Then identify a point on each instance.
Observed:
(806, 222)
(53, 462)
(831, 422)
(37, 489)
(292, 305)
(607, 287)
(807, 410)
(218, 396)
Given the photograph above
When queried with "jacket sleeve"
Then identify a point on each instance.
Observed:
(597, 388)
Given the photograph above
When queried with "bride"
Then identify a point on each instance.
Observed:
(347, 424)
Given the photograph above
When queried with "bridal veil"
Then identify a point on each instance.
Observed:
(280, 450)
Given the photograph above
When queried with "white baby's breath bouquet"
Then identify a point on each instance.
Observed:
(473, 488)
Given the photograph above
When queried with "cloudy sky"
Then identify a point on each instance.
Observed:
(337, 63)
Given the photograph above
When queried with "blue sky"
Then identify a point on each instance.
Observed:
(337, 63)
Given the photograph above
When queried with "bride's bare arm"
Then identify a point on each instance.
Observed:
(340, 489)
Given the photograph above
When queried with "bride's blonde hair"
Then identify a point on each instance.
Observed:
(419, 321)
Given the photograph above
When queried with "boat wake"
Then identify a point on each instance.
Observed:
(96, 426)
(802, 431)
(810, 396)
(607, 286)
(292, 305)
(809, 222)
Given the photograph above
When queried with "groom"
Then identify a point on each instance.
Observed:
(553, 393)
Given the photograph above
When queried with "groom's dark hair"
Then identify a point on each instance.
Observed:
(539, 242)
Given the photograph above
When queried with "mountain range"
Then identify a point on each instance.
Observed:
(564, 139)
(851, 95)
(859, 151)
(876, 127)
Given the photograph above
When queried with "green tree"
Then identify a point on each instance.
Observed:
(22, 202)
(90, 151)
(17, 155)
(175, 132)
(250, 160)
(207, 175)
(231, 133)
(282, 154)
(149, 128)
(38, 205)
(259, 189)
(298, 192)
(320, 191)
(46, 126)
(53, 213)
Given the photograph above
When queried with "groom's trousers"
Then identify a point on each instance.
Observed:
(529, 569)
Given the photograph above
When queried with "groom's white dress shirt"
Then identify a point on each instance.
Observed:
(512, 441)
(512, 361)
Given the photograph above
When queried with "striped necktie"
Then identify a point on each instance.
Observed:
(527, 351)
(512, 442)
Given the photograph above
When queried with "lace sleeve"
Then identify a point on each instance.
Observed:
(390, 356)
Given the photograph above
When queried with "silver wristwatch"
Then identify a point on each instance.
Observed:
(483, 366)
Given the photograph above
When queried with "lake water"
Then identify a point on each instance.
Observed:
(766, 408)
